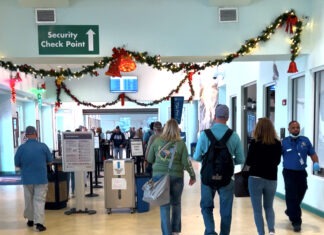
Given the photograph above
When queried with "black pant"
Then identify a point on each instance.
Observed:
(295, 186)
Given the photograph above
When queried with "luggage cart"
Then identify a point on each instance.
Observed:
(119, 184)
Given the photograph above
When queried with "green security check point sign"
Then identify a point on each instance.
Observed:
(68, 39)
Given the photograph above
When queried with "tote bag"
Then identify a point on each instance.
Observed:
(157, 193)
(241, 185)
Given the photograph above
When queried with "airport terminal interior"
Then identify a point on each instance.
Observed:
(122, 221)
(178, 49)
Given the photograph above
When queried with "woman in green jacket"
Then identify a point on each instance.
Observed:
(160, 154)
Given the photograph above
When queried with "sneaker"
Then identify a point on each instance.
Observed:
(297, 227)
(40, 227)
(30, 223)
(271, 233)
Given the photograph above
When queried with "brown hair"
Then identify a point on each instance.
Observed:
(171, 131)
(264, 131)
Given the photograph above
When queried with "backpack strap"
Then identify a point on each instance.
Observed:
(224, 139)
(210, 136)
(226, 136)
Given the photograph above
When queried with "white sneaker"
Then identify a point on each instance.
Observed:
(175, 233)
(271, 233)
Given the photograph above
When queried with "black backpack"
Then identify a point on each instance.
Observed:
(217, 163)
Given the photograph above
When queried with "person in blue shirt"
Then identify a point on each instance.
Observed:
(32, 158)
(295, 149)
(225, 193)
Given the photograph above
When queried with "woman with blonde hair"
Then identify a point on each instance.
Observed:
(263, 158)
(169, 144)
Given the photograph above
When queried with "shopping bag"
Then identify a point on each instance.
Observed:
(157, 193)
(241, 185)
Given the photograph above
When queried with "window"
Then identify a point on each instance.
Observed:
(298, 101)
(234, 112)
(270, 102)
(319, 118)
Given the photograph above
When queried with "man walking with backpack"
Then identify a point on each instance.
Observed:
(217, 155)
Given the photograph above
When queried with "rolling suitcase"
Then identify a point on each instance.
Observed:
(119, 184)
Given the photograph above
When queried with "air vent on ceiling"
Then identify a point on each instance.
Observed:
(45, 15)
(228, 15)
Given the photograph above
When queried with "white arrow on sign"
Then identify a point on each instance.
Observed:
(90, 39)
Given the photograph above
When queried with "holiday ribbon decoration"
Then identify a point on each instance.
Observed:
(293, 25)
(57, 106)
(13, 90)
(291, 21)
(122, 98)
(12, 83)
(18, 78)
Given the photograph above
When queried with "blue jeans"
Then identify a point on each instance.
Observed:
(207, 206)
(259, 189)
(171, 220)
(118, 152)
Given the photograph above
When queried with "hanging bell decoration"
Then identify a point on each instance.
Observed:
(126, 63)
(292, 67)
(113, 69)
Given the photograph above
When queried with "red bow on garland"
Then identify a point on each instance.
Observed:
(291, 21)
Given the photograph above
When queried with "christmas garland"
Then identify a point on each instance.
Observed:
(293, 26)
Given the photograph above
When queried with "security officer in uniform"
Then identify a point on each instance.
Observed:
(295, 149)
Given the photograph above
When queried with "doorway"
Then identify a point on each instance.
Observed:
(234, 112)
(248, 114)
(270, 93)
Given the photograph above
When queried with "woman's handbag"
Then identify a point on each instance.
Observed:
(157, 193)
(241, 188)
(241, 185)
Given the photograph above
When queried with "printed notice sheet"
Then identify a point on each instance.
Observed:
(136, 147)
(78, 151)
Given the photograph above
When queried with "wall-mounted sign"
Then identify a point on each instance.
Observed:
(68, 39)
(176, 107)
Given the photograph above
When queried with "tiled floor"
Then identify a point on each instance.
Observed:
(147, 223)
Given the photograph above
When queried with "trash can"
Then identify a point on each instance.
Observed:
(57, 194)
(192, 148)
(140, 180)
